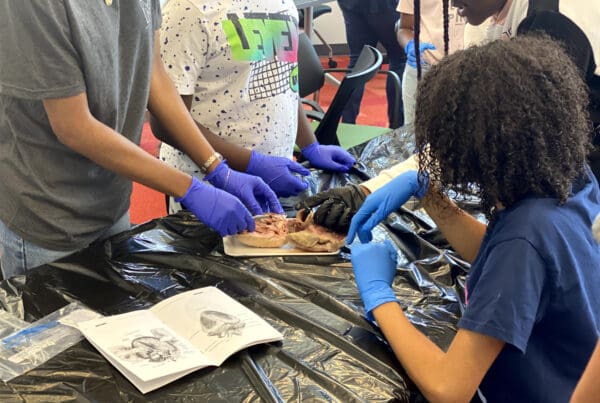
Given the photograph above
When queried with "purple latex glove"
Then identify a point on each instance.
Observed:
(218, 209)
(278, 173)
(409, 49)
(330, 158)
(381, 203)
(374, 267)
(251, 190)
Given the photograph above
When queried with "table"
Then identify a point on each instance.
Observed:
(330, 351)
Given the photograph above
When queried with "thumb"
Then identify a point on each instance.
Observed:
(247, 197)
(427, 46)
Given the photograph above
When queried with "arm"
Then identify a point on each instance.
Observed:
(588, 388)
(76, 128)
(168, 108)
(237, 157)
(405, 32)
(304, 135)
(470, 355)
(462, 231)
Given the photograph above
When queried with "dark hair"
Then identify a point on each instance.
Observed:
(504, 121)
(417, 30)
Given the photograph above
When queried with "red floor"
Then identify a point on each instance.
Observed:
(147, 204)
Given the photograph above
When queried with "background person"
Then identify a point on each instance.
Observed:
(369, 23)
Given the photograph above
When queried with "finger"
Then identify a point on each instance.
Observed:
(365, 231)
(344, 158)
(333, 217)
(391, 250)
(427, 46)
(249, 200)
(344, 220)
(337, 167)
(355, 224)
(322, 212)
(297, 186)
(250, 223)
(269, 197)
(297, 168)
(317, 199)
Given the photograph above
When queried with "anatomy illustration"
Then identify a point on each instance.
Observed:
(159, 347)
(220, 324)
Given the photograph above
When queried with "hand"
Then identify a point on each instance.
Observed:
(336, 206)
(330, 158)
(382, 202)
(251, 190)
(411, 57)
(218, 209)
(374, 267)
(278, 173)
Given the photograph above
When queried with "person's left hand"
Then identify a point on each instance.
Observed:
(330, 158)
(256, 195)
(374, 267)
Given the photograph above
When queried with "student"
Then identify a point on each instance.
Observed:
(532, 298)
(369, 23)
(235, 66)
(75, 80)
(488, 20)
(439, 32)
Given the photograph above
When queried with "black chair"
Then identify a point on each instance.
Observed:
(317, 12)
(311, 78)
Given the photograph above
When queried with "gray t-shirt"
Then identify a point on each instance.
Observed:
(49, 194)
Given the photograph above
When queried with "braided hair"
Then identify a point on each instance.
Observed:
(417, 31)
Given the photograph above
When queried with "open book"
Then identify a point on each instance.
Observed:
(177, 336)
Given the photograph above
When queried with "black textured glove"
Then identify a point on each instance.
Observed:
(336, 207)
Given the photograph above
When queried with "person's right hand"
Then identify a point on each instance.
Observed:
(250, 189)
(216, 208)
(383, 202)
(409, 49)
(278, 173)
(337, 206)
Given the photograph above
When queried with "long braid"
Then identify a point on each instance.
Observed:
(446, 27)
(417, 32)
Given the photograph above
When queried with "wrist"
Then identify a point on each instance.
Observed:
(378, 293)
(408, 46)
(310, 147)
(211, 163)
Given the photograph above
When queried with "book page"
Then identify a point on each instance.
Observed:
(141, 344)
(214, 323)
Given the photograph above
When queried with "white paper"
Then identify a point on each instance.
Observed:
(181, 334)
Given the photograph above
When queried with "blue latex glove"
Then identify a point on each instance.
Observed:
(251, 190)
(374, 267)
(409, 49)
(330, 158)
(278, 173)
(381, 203)
(218, 209)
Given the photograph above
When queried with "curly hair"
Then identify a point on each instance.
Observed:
(504, 121)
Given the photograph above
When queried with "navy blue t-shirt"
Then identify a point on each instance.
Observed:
(535, 284)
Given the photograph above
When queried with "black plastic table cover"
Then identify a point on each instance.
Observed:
(330, 352)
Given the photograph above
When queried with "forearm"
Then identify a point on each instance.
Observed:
(304, 135)
(421, 358)
(461, 230)
(81, 132)
(406, 32)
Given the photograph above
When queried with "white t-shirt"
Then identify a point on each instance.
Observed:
(239, 61)
(432, 27)
(584, 13)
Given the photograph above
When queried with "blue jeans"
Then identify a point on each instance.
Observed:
(368, 29)
(17, 255)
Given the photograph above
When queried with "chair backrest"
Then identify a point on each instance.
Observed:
(311, 75)
(368, 63)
